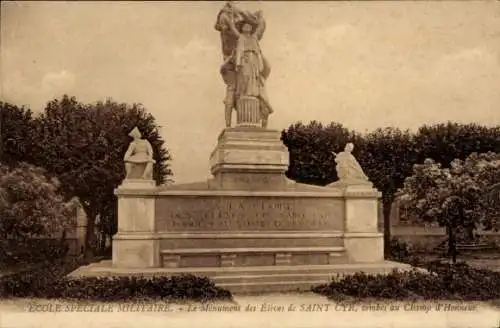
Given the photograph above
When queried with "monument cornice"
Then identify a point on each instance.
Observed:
(229, 193)
(319, 192)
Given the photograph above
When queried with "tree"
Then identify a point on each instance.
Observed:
(484, 169)
(83, 145)
(493, 199)
(387, 157)
(30, 204)
(446, 142)
(16, 125)
(108, 224)
(453, 197)
(311, 146)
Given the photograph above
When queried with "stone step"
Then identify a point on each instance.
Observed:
(331, 269)
(271, 286)
(258, 271)
(292, 279)
(257, 277)
(289, 279)
(250, 279)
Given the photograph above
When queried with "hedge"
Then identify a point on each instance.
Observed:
(51, 282)
(443, 281)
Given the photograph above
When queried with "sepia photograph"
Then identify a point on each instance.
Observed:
(250, 164)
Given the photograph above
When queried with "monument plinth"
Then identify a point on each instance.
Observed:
(249, 158)
(249, 227)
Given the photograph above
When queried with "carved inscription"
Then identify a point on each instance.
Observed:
(255, 180)
(252, 179)
(247, 213)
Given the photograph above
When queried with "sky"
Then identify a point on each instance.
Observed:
(364, 64)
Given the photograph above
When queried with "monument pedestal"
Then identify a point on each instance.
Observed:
(249, 158)
(136, 245)
(249, 228)
(362, 240)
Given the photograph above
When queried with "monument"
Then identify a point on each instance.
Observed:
(249, 228)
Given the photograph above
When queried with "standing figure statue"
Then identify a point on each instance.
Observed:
(348, 168)
(245, 69)
(139, 154)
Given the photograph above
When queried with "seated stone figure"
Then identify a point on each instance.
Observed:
(348, 168)
(139, 157)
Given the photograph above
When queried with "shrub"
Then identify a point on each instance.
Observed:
(50, 282)
(401, 251)
(185, 287)
(444, 281)
(31, 204)
(15, 253)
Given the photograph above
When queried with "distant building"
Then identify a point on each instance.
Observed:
(407, 228)
(74, 235)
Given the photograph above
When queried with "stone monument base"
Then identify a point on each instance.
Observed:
(251, 279)
(249, 228)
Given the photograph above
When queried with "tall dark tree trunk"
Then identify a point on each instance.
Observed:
(89, 232)
(63, 236)
(63, 244)
(1, 135)
(386, 210)
(110, 236)
(89, 239)
(452, 243)
(470, 234)
(102, 246)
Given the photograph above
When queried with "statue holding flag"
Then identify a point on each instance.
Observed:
(244, 69)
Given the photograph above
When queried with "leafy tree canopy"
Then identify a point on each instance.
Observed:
(15, 134)
(446, 142)
(84, 144)
(30, 204)
(454, 197)
(311, 146)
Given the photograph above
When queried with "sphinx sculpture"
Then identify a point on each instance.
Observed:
(244, 69)
(139, 158)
